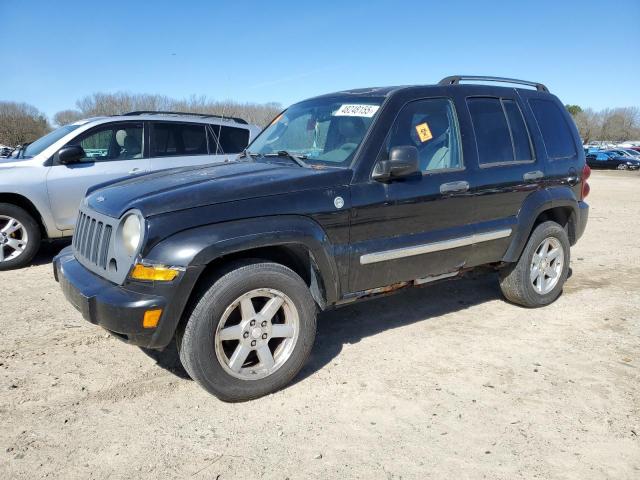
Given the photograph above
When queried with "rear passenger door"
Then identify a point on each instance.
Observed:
(179, 144)
(508, 169)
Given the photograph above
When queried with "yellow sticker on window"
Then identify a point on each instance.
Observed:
(424, 132)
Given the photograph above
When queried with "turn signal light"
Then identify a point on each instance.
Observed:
(151, 318)
(158, 273)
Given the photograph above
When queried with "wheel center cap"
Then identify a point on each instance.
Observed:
(256, 333)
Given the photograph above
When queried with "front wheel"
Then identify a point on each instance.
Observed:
(537, 278)
(250, 332)
(19, 237)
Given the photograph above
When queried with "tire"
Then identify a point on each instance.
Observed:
(17, 246)
(517, 280)
(216, 362)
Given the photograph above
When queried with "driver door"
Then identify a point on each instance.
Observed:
(112, 150)
(421, 225)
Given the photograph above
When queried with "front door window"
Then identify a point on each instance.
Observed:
(112, 142)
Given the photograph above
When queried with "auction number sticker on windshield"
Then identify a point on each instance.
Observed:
(355, 110)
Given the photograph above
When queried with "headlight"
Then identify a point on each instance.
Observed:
(131, 234)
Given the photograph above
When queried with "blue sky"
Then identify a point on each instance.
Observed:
(55, 52)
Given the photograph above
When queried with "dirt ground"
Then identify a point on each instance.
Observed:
(445, 381)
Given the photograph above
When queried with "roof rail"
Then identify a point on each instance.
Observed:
(456, 79)
(202, 115)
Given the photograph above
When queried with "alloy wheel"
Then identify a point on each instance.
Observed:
(13, 238)
(546, 265)
(257, 334)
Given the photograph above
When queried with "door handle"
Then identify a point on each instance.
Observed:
(531, 176)
(453, 187)
(134, 170)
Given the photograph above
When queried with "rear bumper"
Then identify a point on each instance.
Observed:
(581, 220)
(121, 309)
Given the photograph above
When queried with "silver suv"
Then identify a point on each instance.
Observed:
(41, 188)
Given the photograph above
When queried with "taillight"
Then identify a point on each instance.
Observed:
(586, 173)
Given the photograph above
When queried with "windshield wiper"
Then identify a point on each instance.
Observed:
(299, 159)
(247, 153)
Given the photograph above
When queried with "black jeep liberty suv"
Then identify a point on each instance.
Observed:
(342, 197)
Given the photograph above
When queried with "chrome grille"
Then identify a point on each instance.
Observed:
(91, 240)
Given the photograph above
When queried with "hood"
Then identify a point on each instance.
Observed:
(190, 187)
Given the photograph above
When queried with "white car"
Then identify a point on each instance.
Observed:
(41, 188)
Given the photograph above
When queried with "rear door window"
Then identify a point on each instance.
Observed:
(519, 132)
(556, 133)
(230, 139)
(178, 139)
(501, 133)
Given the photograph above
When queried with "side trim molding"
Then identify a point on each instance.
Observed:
(434, 247)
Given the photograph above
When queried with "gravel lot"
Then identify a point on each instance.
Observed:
(446, 381)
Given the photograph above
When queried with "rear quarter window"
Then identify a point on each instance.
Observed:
(556, 133)
(231, 139)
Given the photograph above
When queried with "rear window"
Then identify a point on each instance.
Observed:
(501, 133)
(556, 133)
(231, 139)
(173, 139)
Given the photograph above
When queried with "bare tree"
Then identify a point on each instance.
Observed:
(589, 123)
(608, 125)
(65, 117)
(21, 123)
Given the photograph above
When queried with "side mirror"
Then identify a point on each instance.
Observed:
(71, 154)
(403, 162)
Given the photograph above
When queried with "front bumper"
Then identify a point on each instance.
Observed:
(120, 309)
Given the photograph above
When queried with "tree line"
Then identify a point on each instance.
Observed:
(21, 122)
(615, 125)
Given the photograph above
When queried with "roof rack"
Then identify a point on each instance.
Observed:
(202, 115)
(456, 79)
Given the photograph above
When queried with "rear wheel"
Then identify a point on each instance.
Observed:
(538, 277)
(250, 332)
(19, 237)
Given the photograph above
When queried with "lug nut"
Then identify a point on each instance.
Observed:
(252, 323)
(264, 336)
(264, 324)
(245, 335)
(253, 343)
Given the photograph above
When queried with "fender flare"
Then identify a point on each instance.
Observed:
(199, 246)
(532, 207)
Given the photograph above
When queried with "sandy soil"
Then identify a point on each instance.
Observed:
(446, 381)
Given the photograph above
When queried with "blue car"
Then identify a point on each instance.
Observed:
(611, 160)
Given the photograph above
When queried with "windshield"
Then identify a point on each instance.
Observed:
(50, 138)
(324, 131)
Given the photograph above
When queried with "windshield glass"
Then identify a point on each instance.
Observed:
(50, 138)
(324, 131)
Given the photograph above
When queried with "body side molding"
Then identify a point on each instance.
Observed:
(434, 247)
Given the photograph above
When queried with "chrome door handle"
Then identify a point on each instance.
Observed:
(453, 187)
(134, 170)
(530, 176)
